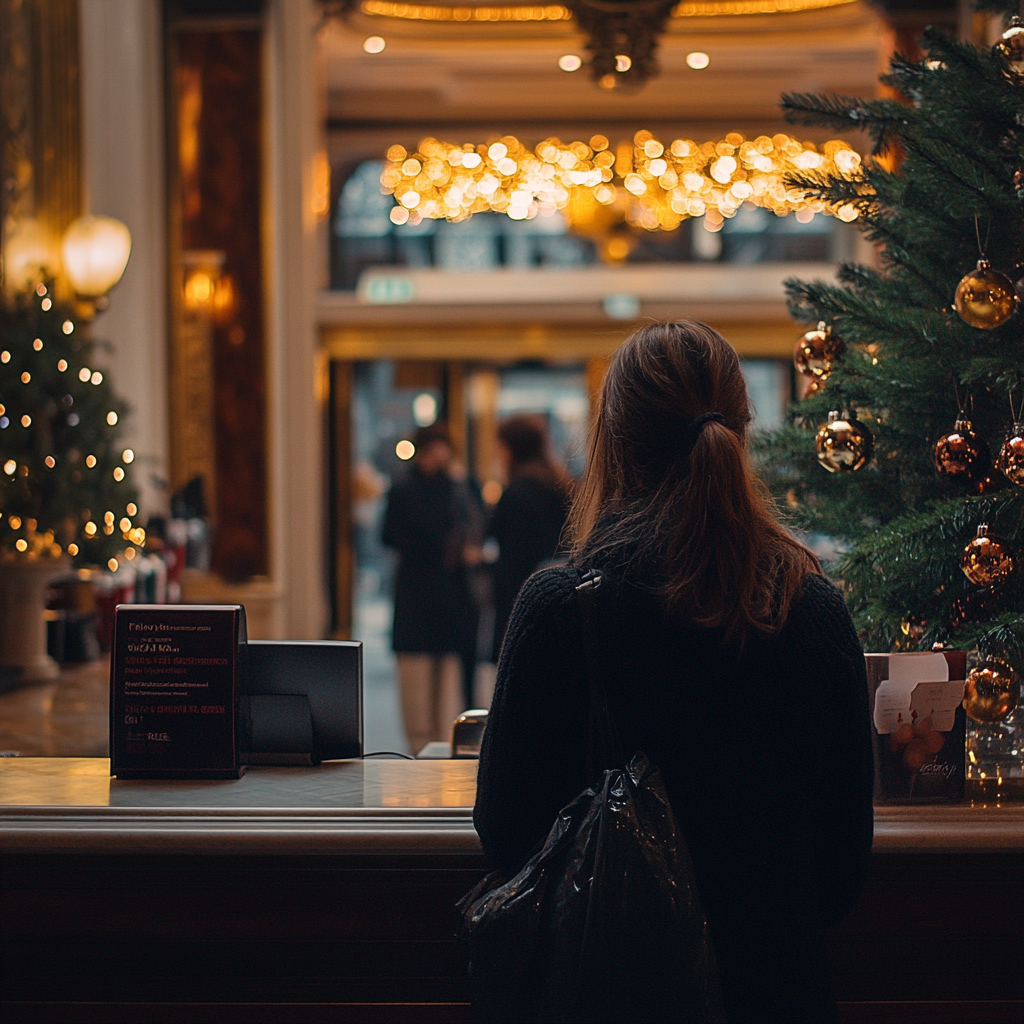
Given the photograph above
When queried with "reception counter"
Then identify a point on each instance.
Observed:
(316, 894)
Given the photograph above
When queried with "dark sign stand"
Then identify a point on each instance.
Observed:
(175, 673)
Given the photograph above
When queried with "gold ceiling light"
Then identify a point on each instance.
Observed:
(557, 12)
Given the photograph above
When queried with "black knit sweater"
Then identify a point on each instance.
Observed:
(765, 751)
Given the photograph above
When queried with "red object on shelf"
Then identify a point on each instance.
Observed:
(106, 602)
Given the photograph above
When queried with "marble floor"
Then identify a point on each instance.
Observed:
(63, 718)
(68, 717)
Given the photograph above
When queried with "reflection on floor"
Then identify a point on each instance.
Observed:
(64, 718)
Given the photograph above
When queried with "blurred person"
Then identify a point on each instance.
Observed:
(728, 658)
(430, 519)
(530, 515)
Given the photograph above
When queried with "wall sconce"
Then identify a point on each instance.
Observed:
(27, 255)
(95, 251)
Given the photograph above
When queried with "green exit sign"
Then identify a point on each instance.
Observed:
(389, 290)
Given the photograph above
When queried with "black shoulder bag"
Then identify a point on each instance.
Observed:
(603, 923)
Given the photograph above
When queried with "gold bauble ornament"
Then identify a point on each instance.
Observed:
(844, 444)
(987, 560)
(1010, 461)
(992, 691)
(985, 298)
(815, 352)
(962, 453)
(1011, 48)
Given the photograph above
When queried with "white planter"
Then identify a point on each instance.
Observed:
(22, 624)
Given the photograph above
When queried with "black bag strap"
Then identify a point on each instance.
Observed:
(604, 749)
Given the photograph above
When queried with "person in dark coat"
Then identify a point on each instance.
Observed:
(430, 519)
(530, 515)
(729, 659)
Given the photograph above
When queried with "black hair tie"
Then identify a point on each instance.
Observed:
(692, 430)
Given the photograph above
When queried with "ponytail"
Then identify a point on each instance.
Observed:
(669, 481)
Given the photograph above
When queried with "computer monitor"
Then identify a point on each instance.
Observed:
(302, 701)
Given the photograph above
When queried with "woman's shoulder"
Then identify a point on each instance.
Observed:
(550, 588)
(820, 612)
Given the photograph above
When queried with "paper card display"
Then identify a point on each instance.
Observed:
(918, 688)
(174, 679)
(919, 725)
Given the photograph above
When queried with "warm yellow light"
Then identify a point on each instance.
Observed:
(14, 522)
(90, 461)
(570, 62)
(374, 44)
(622, 62)
(128, 455)
(125, 524)
(198, 290)
(5, 356)
(72, 549)
(84, 374)
(108, 517)
(112, 564)
(27, 254)
(62, 365)
(90, 529)
(46, 305)
(405, 450)
(129, 553)
(10, 466)
(38, 344)
(97, 377)
(654, 185)
(132, 508)
(118, 474)
(697, 60)
(26, 420)
(67, 327)
(26, 377)
(112, 417)
(21, 544)
(95, 251)
(50, 461)
(491, 492)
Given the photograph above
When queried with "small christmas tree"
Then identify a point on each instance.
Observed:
(64, 479)
(906, 352)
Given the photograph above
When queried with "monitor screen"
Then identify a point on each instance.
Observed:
(305, 701)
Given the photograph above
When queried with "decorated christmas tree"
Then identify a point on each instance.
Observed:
(64, 479)
(919, 364)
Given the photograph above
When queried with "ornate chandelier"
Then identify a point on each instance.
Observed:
(622, 38)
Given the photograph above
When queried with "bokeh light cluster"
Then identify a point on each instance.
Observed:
(659, 185)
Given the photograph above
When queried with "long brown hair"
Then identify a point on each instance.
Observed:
(669, 483)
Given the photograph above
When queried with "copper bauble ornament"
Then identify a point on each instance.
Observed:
(1011, 48)
(962, 453)
(815, 352)
(987, 560)
(985, 298)
(992, 691)
(1010, 461)
(844, 444)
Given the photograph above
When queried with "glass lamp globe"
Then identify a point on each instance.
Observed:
(95, 251)
(27, 254)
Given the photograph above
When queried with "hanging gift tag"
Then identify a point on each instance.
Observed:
(174, 678)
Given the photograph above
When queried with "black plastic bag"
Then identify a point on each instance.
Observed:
(602, 924)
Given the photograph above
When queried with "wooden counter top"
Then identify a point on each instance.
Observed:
(71, 805)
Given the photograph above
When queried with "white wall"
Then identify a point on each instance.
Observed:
(123, 142)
